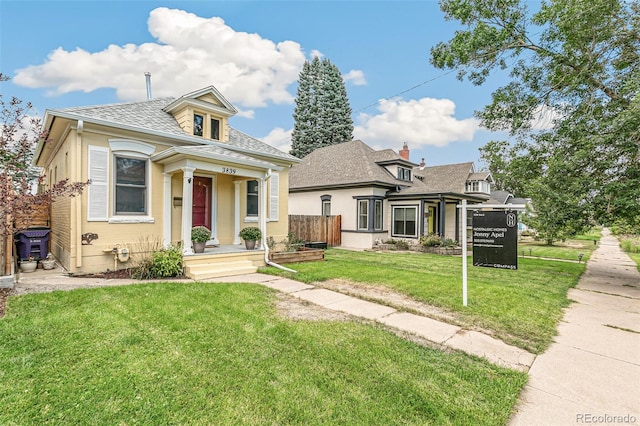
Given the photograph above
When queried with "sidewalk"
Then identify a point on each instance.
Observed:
(591, 374)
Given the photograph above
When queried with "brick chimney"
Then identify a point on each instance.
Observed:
(404, 152)
(422, 164)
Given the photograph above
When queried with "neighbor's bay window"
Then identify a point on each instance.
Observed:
(404, 221)
(363, 214)
(370, 214)
(130, 186)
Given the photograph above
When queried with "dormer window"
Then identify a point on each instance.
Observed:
(404, 174)
(215, 129)
(198, 124)
(478, 186)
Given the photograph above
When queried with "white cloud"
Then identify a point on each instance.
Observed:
(356, 77)
(279, 138)
(317, 53)
(419, 122)
(191, 53)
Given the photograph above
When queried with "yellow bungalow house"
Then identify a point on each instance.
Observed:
(156, 169)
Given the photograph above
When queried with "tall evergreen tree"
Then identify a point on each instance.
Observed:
(322, 114)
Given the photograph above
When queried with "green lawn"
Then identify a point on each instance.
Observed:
(569, 249)
(522, 307)
(202, 354)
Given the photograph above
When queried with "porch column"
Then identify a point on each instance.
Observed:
(166, 224)
(236, 211)
(187, 209)
(262, 211)
(443, 212)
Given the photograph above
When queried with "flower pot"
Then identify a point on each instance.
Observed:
(199, 247)
(48, 264)
(250, 244)
(28, 266)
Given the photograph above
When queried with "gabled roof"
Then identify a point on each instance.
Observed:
(350, 163)
(449, 178)
(149, 117)
(192, 99)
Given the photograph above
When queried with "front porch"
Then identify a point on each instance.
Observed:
(223, 260)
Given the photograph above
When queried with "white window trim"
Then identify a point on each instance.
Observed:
(366, 203)
(393, 221)
(133, 149)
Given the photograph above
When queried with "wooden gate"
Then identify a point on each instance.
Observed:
(317, 228)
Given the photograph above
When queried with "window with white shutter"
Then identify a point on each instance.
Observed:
(274, 197)
(98, 191)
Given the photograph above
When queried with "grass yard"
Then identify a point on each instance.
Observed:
(202, 354)
(521, 307)
(568, 250)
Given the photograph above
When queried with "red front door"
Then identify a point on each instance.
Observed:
(201, 201)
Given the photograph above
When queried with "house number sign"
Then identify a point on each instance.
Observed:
(229, 171)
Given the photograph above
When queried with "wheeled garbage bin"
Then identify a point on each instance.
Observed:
(32, 242)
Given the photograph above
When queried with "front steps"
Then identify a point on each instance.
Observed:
(204, 266)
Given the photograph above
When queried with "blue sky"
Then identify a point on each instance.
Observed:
(73, 53)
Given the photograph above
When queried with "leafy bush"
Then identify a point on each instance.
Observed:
(164, 263)
(430, 240)
(400, 244)
(630, 244)
(448, 242)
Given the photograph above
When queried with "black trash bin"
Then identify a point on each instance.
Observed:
(32, 242)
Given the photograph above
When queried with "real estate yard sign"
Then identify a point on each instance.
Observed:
(495, 239)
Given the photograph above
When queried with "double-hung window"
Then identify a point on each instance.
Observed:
(404, 221)
(130, 186)
(252, 198)
(370, 214)
(363, 214)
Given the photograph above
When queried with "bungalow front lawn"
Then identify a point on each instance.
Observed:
(201, 354)
(521, 307)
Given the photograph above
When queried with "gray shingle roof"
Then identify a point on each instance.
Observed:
(354, 163)
(350, 163)
(441, 179)
(149, 117)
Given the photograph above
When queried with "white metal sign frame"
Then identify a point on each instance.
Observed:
(464, 206)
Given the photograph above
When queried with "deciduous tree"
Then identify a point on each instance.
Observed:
(18, 177)
(578, 65)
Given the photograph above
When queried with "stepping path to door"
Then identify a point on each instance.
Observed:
(591, 374)
(447, 335)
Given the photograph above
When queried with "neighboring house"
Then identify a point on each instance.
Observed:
(382, 195)
(157, 168)
(504, 197)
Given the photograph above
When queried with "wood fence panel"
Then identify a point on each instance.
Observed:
(317, 228)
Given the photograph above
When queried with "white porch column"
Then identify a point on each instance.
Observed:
(187, 209)
(262, 211)
(166, 225)
(236, 211)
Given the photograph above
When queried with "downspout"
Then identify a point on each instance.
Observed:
(78, 202)
(263, 225)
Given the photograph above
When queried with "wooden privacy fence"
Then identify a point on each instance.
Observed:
(317, 228)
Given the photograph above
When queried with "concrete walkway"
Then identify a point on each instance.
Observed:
(591, 374)
(447, 335)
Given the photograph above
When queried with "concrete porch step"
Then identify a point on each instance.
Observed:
(222, 269)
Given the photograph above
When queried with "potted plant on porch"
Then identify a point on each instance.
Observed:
(250, 235)
(199, 236)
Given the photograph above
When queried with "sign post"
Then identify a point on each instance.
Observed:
(494, 237)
